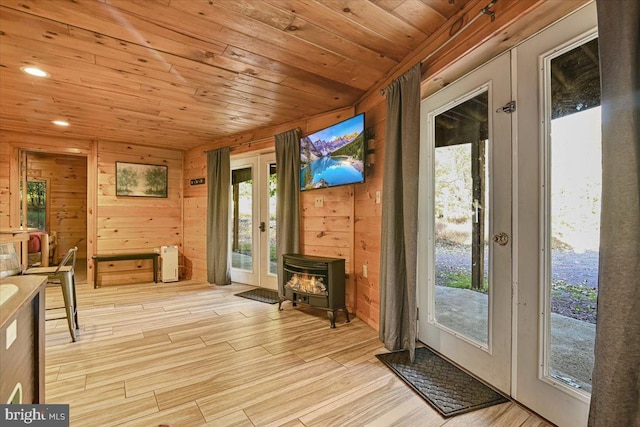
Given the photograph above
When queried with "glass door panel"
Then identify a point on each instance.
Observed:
(572, 226)
(242, 219)
(271, 215)
(461, 219)
(557, 215)
(269, 264)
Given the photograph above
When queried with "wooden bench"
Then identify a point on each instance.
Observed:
(97, 259)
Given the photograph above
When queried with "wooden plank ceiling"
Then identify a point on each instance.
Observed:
(182, 73)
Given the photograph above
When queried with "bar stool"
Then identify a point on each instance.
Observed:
(64, 275)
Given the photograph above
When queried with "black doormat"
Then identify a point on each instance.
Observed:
(260, 294)
(450, 390)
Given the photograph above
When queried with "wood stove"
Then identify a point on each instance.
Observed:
(315, 281)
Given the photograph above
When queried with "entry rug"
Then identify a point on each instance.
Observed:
(450, 390)
(260, 294)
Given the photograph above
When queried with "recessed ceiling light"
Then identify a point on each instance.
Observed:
(60, 123)
(35, 71)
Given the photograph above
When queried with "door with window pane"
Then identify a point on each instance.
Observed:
(559, 180)
(464, 256)
(253, 221)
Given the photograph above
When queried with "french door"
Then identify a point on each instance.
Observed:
(515, 304)
(253, 221)
(464, 262)
(559, 179)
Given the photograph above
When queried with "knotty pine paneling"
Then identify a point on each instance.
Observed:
(338, 210)
(368, 220)
(5, 167)
(195, 215)
(66, 178)
(136, 224)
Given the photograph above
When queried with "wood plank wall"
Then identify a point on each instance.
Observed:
(368, 220)
(5, 168)
(195, 215)
(328, 230)
(115, 224)
(66, 177)
(136, 224)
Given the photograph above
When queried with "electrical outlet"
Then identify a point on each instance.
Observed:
(365, 271)
(378, 197)
(319, 202)
(12, 333)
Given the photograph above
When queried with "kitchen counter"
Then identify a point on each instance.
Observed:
(22, 338)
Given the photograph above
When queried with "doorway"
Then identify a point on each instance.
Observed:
(56, 202)
(253, 221)
(509, 219)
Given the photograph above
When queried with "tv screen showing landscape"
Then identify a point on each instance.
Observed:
(333, 156)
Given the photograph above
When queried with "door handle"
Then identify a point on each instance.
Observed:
(262, 226)
(501, 238)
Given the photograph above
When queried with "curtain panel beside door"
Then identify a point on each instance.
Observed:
(615, 399)
(218, 183)
(398, 253)
(288, 200)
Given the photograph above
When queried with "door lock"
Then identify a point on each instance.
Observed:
(262, 226)
(501, 238)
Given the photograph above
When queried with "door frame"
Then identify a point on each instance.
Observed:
(260, 275)
(40, 144)
(550, 399)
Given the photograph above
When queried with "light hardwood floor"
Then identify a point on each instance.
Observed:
(193, 354)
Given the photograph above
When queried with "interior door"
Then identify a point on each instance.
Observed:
(253, 221)
(559, 180)
(464, 261)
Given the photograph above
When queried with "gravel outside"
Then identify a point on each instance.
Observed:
(574, 283)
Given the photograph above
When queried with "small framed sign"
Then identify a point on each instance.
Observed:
(197, 181)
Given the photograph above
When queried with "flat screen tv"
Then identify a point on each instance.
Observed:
(334, 155)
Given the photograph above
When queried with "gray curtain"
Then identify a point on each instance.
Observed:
(218, 183)
(399, 214)
(288, 200)
(615, 399)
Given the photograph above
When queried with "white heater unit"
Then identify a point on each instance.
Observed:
(169, 263)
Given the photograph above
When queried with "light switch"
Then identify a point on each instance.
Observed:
(365, 271)
(378, 197)
(319, 202)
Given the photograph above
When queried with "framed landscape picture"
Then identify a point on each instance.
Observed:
(137, 179)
